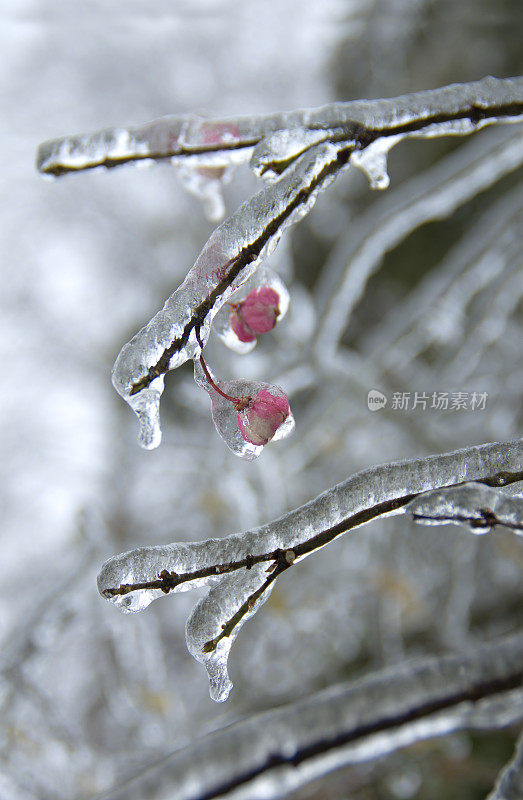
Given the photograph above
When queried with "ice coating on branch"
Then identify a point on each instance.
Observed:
(206, 184)
(235, 327)
(197, 564)
(181, 328)
(79, 152)
(212, 613)
(275, 150)
(249, 417)
(134, 579)
(509, 785)
(372, 160)
(178, 137)
(270, 755)
(475, 506)
(280, 137)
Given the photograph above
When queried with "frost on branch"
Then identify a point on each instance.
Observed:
(242, 567)
(473, 505)
(246, 414)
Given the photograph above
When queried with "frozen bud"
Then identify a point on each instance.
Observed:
(262, 417)
(258, 313)
(247, 414)
(253, 309)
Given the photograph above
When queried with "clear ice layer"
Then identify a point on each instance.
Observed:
(475, 506)
(277, 149)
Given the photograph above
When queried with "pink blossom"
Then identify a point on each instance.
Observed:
(262, 417)
(256, 314)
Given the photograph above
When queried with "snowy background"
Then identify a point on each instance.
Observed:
(88, 696)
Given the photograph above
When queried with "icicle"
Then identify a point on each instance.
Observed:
(372, 160)
(206, 183)
(205, 175)
(146, 406)
(211, 629)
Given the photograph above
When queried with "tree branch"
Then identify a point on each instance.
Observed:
(235, 566)
(181, 137)
(473, 505)
(435, 194)
(274, 753)
(303, 151)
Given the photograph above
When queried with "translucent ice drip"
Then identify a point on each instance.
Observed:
(205, 175)
(206, 184)
(215, 610)
(372, 160)
(146, 406)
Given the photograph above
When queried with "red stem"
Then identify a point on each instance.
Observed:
(208, 376)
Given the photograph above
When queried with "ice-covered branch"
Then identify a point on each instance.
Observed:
(301, 153)
(273, 753)
(278, 138)
(473, 505)
(242, 567)
(509, 785)
(180, 330)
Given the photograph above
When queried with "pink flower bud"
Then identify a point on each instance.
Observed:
(256, 314)
(260, 420)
